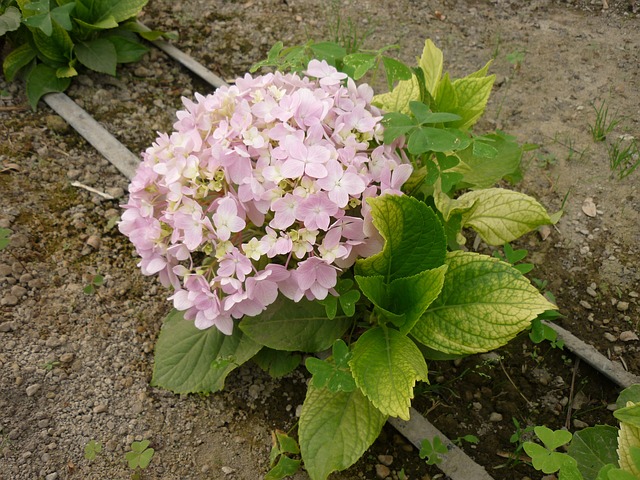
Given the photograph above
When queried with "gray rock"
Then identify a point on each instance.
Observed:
(33, 389)
(7, 327)
(18, 291)
(9, 300)
(622, 306)
(495, 417)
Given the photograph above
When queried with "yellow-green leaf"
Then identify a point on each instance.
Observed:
(336, 428)
(628, 437)
(399, 98)
(500, 215)
(484, 303)
(431, 63)
(472, 94)
(386, 365)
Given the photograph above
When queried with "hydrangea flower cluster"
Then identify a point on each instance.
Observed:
(261, 190)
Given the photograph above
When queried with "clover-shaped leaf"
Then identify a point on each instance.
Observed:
(92, 449)
(140, 455)
(545, 458)
(333, 373)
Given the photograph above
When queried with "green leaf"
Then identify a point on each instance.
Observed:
(386, 365)
(306, 325)
(140, 455)
(500, 215)
(395, 70)
(103, 24)
(57, 46)
(329, 51)
(472, 94)
(484, 171)
(275, 362)
(98, 55)
(545, 460)
(629, 415)
(484, 303)
(10, 20)
(120, 10)
(4, 238)
(399, 98)
(406, 298)
(629, 394)
(41, 21)
(66, 72)
(41, 80)
(424, 115)
(185, 355)
(336, 429)
(361, 63)
(432, 452)
(552, 439)
(92, 449)
(348, 301)
(334, 373)
(593, 448)
(431, 139)
(284, 468)
(17, 59)
(395, 125)
(127, 50)
(431, 64)
(61, 15)
(414, 238)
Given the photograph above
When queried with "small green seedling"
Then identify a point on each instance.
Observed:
(140, 455)
(603, 124)
(281, 463)
(624, 159)
(544, 457)
(466, 438)
(432, 452)
(514, 256)
(516, 58)
(48, 366)
(4, 238)
(92, 449)
(91, 287)
(334, 373)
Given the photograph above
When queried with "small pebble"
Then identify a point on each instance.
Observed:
(56, 124)
(9, 300)
(579, 424)
(33, 389)
(100, 408)
(52, 476)
(585, 304)
(94, 242)
(66, 357)
(382, 471)
(610, 337)
(621, 306)
(495, 417)
(591, 292)
(7, 327)
(227, 470)
(19, 291)
(385, 459)
(628, 336)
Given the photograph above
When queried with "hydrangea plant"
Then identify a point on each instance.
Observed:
(297, 212)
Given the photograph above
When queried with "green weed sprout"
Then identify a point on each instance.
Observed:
(92, 449)
(432, 452)
(624, 159)
(4, 238)
(604, 123)
(140, 455)
(96, 281)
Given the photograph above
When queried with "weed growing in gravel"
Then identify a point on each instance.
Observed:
(432, 451)
(92, 449)
(4, 238)
(603, 124)
(91, 288)
(284, 458)
(140, 455)
(624, 159)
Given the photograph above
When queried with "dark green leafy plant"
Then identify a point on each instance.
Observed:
(52, 39)
(282, 465)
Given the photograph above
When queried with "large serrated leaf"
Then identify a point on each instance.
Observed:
(42, 79)
(593, 448)
(99, 55)
(57, 47)
(399, 98)
(628, 439)
(485, 172)
(120, 10)
(472, 95)
(500, 215)
(484, 303)
(431, 63)
(386, 365)
(17, 59)
(336, 429)
(302, 326)
(414, 238)
(189, 360)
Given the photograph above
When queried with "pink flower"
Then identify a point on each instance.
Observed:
(315, 277)
(316, 211)
(226, 219)
(341, 184)
(303, 160)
